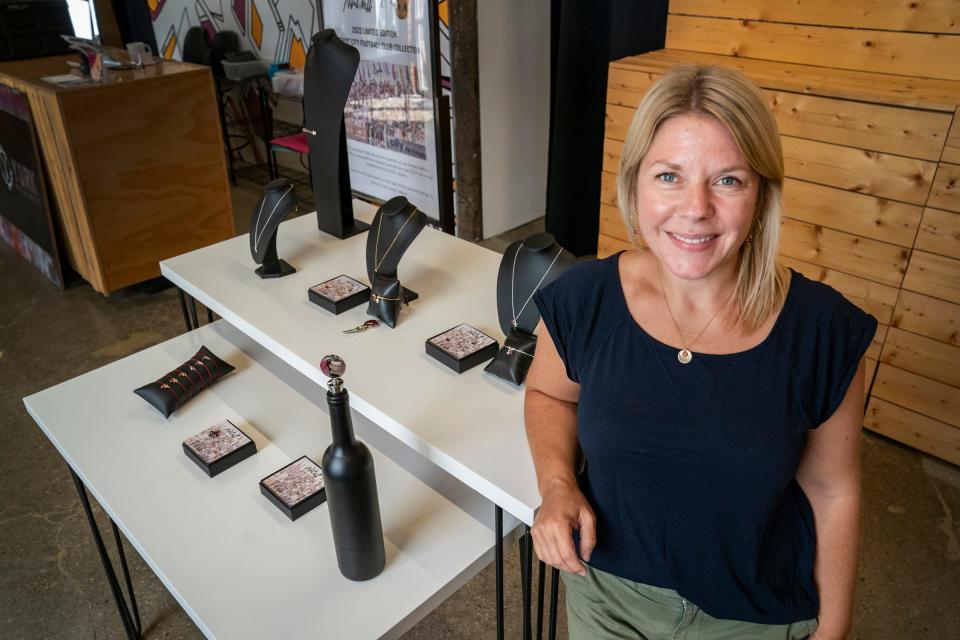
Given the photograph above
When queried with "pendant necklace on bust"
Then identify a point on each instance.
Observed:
(377, 260)
(513, 273)
(685, 356)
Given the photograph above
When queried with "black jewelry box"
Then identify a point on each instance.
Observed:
(339, 294)
(296, 488)
(462, 347)
(219, 447)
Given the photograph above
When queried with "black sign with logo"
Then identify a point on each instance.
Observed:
(25, 221)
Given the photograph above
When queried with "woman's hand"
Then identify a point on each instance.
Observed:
(564, 508)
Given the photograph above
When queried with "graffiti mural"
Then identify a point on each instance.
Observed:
(276, 30)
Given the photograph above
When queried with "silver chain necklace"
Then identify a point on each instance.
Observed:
(513, 281)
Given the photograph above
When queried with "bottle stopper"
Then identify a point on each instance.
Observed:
(333, 367)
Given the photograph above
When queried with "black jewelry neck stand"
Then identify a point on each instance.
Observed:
(527, 266)
(327, 76)
(351, 486)
(274, 206)
(394, 228)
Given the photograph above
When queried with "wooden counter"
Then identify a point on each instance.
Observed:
(135, 166)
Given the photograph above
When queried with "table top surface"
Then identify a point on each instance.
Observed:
(32, 71)
(470, 425)
(238, 566)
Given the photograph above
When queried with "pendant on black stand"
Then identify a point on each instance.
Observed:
(275, 205)
(327, 76)
(351, 486)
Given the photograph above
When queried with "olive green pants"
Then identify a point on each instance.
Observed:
(601, 606)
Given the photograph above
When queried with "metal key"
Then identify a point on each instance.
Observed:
(369, 324)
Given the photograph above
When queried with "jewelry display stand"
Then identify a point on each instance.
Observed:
(395, 226)
(327, 76)
(527, 266)
(277, 202)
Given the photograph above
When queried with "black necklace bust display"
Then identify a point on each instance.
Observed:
(327, 75)
(395, 226)
(527, 267)
(274, 206)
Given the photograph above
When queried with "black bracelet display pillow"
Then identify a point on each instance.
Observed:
(386, 296)
(514, 358)
(172, 390)
(527, 267)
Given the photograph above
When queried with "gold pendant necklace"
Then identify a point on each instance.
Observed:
(377, 260)
(685, 356)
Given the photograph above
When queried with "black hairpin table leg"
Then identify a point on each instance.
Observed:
(498, 517)
(554, 596)
(183, 309)
(137, 623)
(131, 623)
(209, 316)
(193, 313)
(540, 579)
(526, 571)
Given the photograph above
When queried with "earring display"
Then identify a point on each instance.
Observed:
(277, 202)
(172, 390)
(296, 488)
(462, 347)
(217, 448)
(339, 294)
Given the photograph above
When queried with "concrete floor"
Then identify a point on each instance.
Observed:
(52, 584)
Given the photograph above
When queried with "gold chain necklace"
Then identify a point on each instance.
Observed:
(685, 356)
(377, 260)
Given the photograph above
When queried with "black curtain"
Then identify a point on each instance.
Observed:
(585, 36)
(133, 20)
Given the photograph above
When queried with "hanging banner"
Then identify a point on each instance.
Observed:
(392, 134)
(25, 221)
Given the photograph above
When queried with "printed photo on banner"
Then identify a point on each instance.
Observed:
(389, 115)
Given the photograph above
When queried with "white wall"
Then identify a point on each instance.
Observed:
(514, 61)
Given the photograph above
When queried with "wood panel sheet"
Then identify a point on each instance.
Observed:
(913, 429)
(910, 54)
(932, 16)
(937, 319)
(877, 88)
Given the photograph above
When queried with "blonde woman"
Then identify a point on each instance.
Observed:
(694, 408)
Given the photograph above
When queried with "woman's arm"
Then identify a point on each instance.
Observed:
(829, 474)
(550, 415)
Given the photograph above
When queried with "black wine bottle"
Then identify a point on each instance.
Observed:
(351, 486)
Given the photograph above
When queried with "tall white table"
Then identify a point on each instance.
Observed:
(470, 425)
(237, 565)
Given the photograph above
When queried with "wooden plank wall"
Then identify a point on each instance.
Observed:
(872, 196)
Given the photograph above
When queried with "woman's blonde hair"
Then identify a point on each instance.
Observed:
(734, 101)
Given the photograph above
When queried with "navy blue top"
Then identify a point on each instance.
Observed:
(690, 467)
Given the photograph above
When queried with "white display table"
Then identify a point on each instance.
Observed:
(470, 425)
(237, 565)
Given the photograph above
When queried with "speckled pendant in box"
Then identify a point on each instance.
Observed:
(296, 488)
(339, 294)
(462, 347)
(219, 447)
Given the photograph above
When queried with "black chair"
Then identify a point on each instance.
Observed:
(196, 49)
